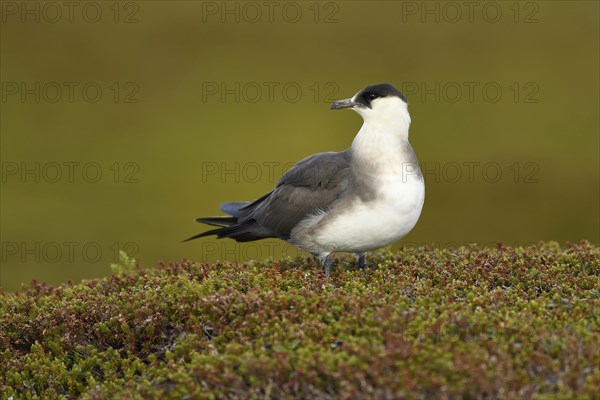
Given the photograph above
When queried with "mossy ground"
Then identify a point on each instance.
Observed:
(467, 323)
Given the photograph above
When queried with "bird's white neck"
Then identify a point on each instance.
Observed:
(383, 136)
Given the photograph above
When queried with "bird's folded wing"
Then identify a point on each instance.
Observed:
(311, 186)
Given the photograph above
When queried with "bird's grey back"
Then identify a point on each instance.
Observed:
(312, 185)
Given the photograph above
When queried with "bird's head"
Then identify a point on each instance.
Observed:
(378, 104)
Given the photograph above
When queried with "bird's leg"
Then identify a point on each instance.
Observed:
(362, 260)
(326, 261)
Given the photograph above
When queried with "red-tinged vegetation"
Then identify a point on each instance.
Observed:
(466, 323)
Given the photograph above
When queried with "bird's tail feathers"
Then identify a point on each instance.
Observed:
(230, 227)
(244, 232)
(217, 221)
(233, 207)
(222, 222)
(208, 233)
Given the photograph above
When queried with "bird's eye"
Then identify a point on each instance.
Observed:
(372, 96)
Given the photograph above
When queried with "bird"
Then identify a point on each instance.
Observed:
(353, 201)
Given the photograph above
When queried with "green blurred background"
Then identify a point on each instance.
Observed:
(186, 120)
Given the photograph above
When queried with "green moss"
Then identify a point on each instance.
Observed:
(426, 323)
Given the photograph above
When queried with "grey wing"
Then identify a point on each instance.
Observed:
(311, 185)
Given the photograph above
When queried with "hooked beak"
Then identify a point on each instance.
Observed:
(346, 103)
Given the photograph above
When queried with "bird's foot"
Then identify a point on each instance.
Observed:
(362, 261)
(326, 261)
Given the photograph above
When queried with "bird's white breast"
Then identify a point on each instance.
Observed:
(369, 225)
